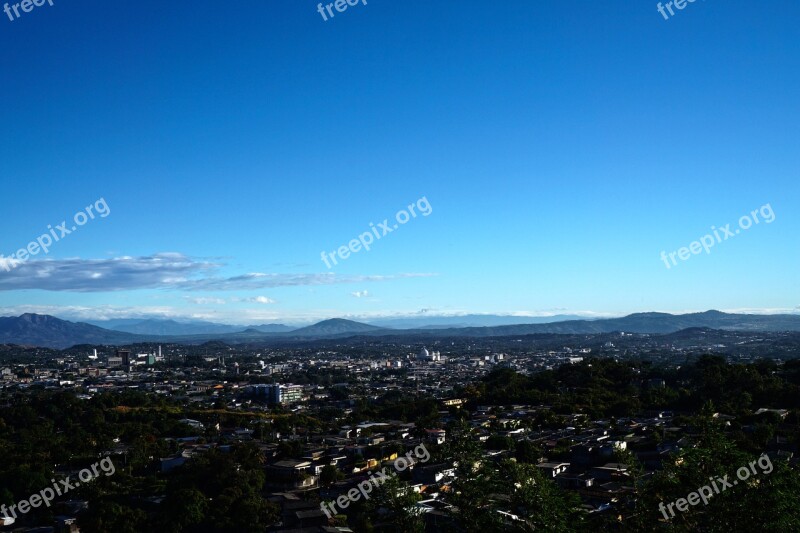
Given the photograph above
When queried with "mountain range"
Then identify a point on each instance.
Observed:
(467, 321)
(49, 331)
(155, 326)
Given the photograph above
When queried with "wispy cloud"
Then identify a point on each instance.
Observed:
(206, 301)
(160, 271)
(759, 310)
(104, 312)
(101, 275)
(360, 294)
(255, 300)
(80, 313)
(260, 280)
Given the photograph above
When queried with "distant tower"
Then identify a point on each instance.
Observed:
(125, 355)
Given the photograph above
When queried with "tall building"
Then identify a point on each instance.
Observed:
(125, 355)
(278, 394)
(290, 394)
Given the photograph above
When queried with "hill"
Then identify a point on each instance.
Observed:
(335, 327)
(52, 332)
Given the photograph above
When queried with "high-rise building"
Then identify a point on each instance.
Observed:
(290, 394)
(125, 355)
(279, 394)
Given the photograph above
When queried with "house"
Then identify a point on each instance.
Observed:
(551, 470)
(574, 481)
(290, 475)
(430, 474)
(609, 471)
(170, 463)
(66, 524)
(302, 514)
(782, 413)
(435, 435)
(192, 423)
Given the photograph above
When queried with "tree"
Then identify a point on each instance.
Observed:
(230, 483)
(330, 475)
(489, 496)
(184, 509)
(395, 503)
(769, 499)
(528, 452)
(537, 501)
(110, 516)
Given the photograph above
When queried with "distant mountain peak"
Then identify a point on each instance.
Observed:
(34, 317)
(338, 321)
(52, 332)
(335, 326)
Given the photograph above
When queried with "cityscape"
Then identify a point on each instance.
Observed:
(362, 266)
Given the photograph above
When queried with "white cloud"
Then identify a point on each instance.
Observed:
(256, 300)
(261, 280)
(758, 310)
(206, 301)
(159, 271)
(101, 275)
(360, 294)
(104, 312)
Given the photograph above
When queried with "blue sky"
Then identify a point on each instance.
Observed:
(561, 146)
